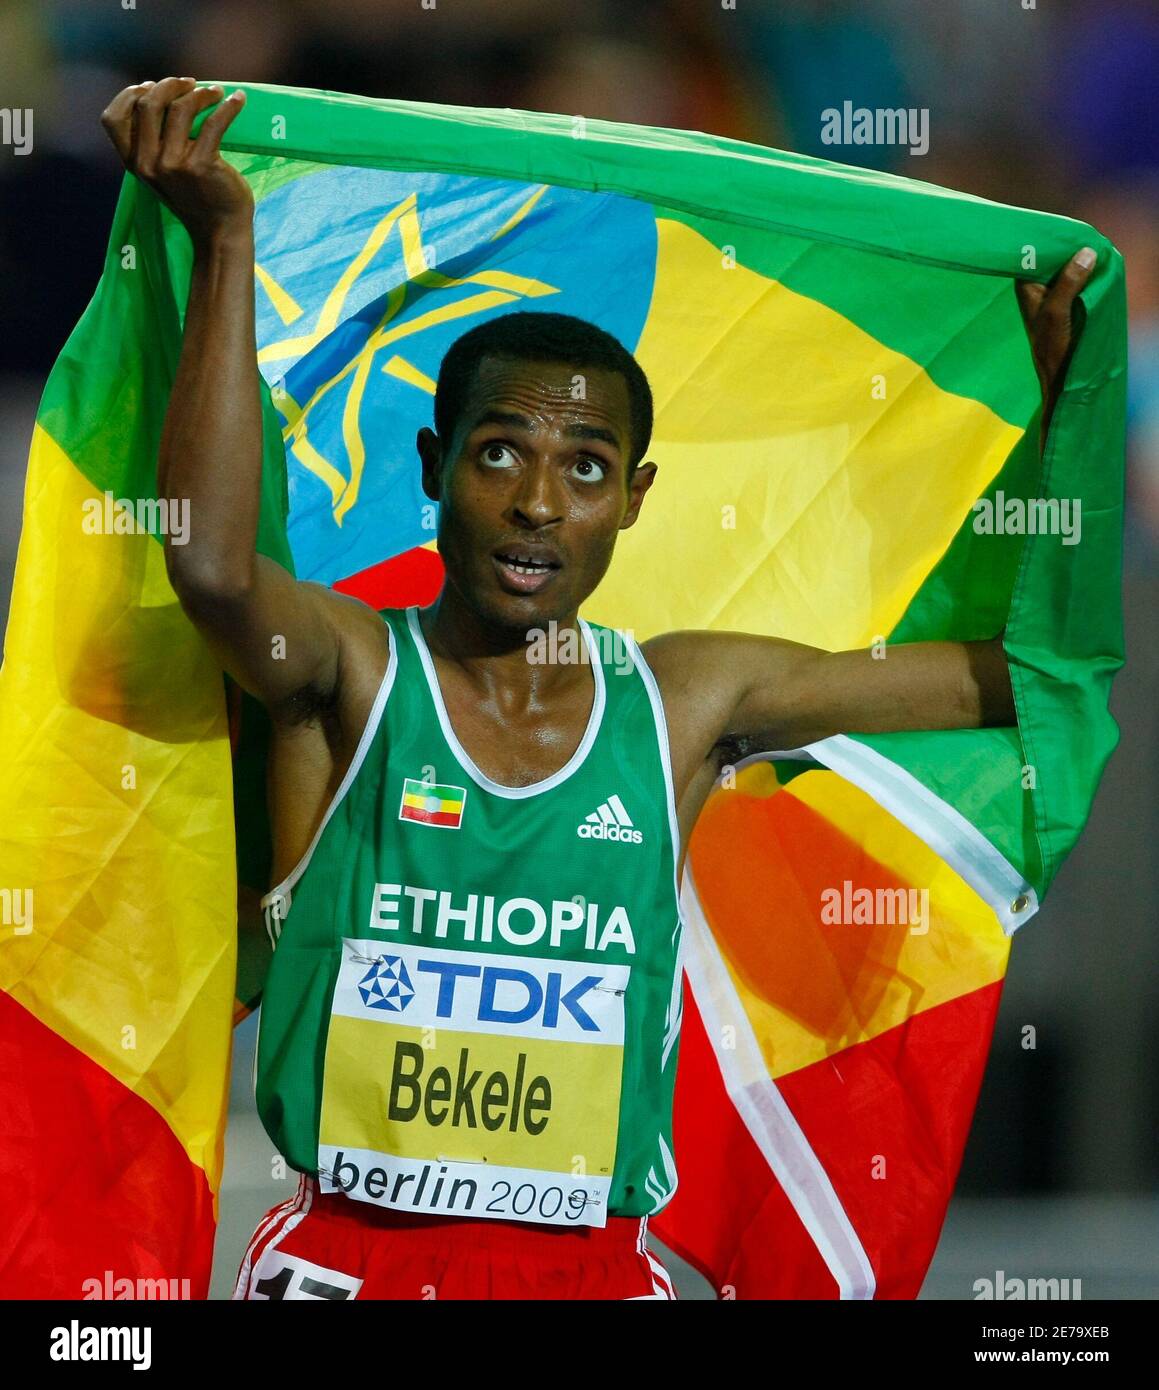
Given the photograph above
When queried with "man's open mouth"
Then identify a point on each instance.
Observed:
(525, 571)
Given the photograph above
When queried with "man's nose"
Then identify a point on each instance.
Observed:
(538, 500)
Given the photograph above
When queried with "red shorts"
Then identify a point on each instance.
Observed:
(325, 1245)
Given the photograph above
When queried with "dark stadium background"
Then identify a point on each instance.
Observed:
(1049, 105)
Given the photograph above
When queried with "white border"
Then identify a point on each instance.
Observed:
(467, 763)
(431, 824)
(765, 1114)
(946, 831)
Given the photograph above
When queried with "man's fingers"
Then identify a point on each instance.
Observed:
(1069, 282)
(1052, 304)
(217, 123)
(1030, 297)
(150, 114)
(180, 116)
(1048, 312)
(1056, 314)
(117, 117)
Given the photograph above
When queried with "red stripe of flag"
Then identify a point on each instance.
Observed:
(414, 577)
(432, 817)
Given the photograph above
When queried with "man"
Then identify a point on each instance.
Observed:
(469, 1030)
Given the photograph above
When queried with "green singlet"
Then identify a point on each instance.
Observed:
(474, 1002)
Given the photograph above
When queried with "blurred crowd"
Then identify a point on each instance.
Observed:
(1045, 103)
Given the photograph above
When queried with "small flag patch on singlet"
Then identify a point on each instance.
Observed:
(432, 805)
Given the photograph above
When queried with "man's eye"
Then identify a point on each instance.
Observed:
(590, 470)
(497, 456)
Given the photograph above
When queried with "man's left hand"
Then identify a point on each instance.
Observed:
(1048, 312)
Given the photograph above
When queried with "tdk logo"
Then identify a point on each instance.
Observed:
(610, 821)
(386, 985)
(414, 988)
(507, 995)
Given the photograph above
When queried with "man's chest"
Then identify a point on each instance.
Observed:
(517, 746)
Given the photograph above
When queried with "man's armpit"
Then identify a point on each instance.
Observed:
(732, 749)
(311, 705)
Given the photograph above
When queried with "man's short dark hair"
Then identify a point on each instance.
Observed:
(535, 337)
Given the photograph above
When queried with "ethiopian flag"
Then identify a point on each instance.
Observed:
(432, 805)
(846, 431)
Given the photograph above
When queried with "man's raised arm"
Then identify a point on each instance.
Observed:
(735, 693)
(211, 446)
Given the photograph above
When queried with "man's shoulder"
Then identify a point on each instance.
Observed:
(671, 649)
(363, 629)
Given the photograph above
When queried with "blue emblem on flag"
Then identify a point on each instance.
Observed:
(386, 985)
(365, 277)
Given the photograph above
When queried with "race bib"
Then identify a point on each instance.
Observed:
(472, 1084)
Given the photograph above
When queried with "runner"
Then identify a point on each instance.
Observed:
(470, 1025)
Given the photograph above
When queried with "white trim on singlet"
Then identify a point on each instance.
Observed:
(371, 728)
(663, 1192)
(676, 1001)
(467, 763)
(656, 700)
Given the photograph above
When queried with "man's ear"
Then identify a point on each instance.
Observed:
(431, 453)
(641, 481)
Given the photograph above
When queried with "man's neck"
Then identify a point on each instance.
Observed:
(497, 658)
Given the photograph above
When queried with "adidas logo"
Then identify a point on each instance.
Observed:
(610, 821)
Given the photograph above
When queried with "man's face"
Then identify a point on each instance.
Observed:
(534, 488)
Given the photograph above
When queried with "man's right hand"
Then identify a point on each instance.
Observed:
(149, 125)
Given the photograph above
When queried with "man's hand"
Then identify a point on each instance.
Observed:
(149, 125)
(246, 606)
(1048, 313)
